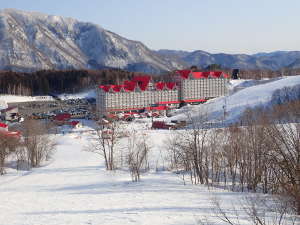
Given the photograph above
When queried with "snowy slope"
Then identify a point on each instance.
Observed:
(74, 188)
(33, 41)
(85, 94)
(252, 94)
(21, 98)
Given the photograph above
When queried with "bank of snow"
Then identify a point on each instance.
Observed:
(235, 103)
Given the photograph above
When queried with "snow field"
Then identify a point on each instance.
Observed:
(75, 188)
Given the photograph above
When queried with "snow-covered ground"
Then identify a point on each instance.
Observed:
(84, 94)
(75, 188)
(21, 98)
(4, 99)
(245, 93)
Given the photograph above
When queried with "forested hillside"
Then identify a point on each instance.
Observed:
(50, 81)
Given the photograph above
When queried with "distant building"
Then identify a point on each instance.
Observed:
(75, 124)
(235, 74)
(10, 114)
(142, 94)
(3, 127)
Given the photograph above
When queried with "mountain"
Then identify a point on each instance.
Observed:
(32, 41)
(295, 64)
(271, 61)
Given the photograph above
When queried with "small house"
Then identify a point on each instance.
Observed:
(75, 124)
(3, 127)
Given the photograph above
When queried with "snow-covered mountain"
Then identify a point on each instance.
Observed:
(32, 41)
(270, 61)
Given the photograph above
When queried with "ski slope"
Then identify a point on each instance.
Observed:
(252, 94)
(75, 188)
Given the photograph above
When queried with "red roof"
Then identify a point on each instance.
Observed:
(205, 74)
(105, 87)
(170, 85)
(216, 74)
(184, 73)
(225, 75)
(129, 85)
(160, 85)
(116, 88)
(74, 123)
(161, 107)
(62, 117)
(197, 75)
(3, 125)
(142, 81)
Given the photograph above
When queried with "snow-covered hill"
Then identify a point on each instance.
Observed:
(245, 94)
(33, 41)
(75, 188)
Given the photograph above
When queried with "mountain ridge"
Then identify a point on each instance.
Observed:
(268, 61)
(35, 41)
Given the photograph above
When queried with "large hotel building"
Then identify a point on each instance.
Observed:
(141, 93)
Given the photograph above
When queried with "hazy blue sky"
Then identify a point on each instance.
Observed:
(231, 26)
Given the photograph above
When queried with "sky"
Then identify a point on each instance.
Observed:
(230, 26)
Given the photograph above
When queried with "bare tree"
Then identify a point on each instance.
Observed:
(38, 143)
(105, 143)
(285, 159)
(137, 155)
(258, 210)
(7, 146)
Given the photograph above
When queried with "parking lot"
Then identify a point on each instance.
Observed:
(78, 108)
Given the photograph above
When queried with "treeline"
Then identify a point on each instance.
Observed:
(46, 82)
(51, 81)
(260, 74)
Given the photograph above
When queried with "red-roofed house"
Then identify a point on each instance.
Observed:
(3, 126)
(75, 124)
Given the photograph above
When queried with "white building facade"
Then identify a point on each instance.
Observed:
(141, 93)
